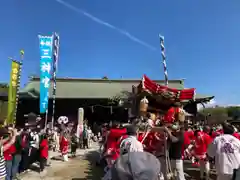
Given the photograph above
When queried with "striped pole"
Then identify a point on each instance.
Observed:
(164, 59)
(55, 61)
(18, 86)
(167, 160)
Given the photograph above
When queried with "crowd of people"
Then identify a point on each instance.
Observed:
(215, 146)
(21, 148)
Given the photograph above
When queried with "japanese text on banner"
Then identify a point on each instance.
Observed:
(46, 43)
(12, 92)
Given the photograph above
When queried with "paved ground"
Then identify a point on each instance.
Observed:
(83, 168)
(193, 173)
(78, 168)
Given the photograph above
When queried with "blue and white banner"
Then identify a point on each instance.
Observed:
(46, 54)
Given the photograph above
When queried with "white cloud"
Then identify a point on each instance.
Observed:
(214, 103)
(106, 24)
(211, 103)
(231, 105)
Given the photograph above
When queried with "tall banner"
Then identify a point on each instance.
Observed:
(55, 61)
(46, 43)
(12, 91)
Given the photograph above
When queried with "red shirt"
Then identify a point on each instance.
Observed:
(216, 133)
(112, 141)
(44, 149)
(24, 140)
(236, 135)
(202, 141)
(208, 139)
(186, 141)
(152, 143)
(169, 117)
(191, 135)
(8, 154)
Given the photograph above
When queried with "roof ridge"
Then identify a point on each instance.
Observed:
(100, 79)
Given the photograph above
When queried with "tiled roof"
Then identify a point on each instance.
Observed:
(91, 88)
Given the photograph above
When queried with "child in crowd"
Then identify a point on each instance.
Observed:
(64, 146)
(43, 152)
(74, 145)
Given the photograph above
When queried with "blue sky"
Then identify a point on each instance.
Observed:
(201, 39)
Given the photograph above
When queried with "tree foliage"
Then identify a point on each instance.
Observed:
(214, 111)
(218, 114)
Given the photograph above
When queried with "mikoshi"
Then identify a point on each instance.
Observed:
(164, 100)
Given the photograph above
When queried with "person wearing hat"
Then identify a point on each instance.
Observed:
(176, 141)
(136, 166)
(225, 149)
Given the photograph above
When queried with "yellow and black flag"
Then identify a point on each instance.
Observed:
(13, 91)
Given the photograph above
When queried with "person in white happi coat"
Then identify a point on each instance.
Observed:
(131, 143)
(128, 145)
(226, 151)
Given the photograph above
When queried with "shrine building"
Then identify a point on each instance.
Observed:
(100, 98)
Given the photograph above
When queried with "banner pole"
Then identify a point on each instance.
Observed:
(46, 120)
(56, 41)
(165, 71)
(19, 84)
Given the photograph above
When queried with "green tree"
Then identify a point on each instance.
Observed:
(215, 114)
(214, 111)
(233, 111)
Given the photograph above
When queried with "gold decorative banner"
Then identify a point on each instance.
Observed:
(12, 92)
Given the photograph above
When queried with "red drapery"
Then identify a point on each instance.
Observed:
(154, 88)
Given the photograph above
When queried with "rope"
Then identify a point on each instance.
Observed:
(167, 159)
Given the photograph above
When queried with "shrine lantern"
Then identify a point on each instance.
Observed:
(143, 106)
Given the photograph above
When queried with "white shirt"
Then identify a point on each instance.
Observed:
(90, 132)
(150, 122)
(35, 140)
(130, 144)
(226, 150)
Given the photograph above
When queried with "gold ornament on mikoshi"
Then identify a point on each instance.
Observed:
(181, 115)
(144, 105)
(153, 116)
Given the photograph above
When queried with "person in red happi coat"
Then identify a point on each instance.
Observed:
(43, 153)
(64, 143)
(112, 149)
(8, 156)
(202, 140)
(186, 143)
